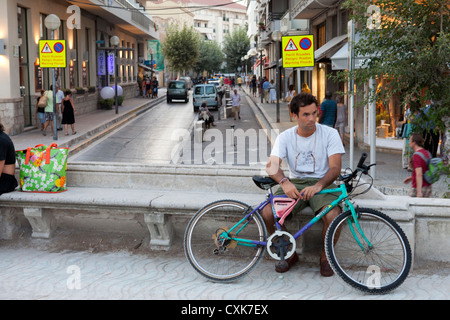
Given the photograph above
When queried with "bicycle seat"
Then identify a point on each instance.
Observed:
(264, 182)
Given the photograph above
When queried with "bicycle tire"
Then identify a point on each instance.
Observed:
(376, 270)
(201, 245)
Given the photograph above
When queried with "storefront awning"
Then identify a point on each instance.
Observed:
(143, 66)
(339, 61)
(329, 49)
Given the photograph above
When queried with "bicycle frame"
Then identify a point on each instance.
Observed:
(347, 205)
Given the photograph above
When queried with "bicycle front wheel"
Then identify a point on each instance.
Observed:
(220, 243)
(377, 264)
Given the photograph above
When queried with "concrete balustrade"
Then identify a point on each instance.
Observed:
(158, 200)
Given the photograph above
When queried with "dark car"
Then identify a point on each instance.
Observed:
(177, 90)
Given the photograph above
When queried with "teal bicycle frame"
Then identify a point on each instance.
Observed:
(344, 196)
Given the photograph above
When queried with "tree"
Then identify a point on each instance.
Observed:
(408, 46)
(210, 58)
(235, 46)
(181, 48)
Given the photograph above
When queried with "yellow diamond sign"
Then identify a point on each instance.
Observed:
(52, 53)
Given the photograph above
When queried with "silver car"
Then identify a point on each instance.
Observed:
(205, 92)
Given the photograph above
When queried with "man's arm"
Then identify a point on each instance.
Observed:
(419, 181)
(274, 171)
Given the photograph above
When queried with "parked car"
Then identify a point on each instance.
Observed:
(188, 82)
(177, 89)
(205, 92)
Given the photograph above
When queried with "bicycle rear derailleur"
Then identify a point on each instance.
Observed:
(281, 245)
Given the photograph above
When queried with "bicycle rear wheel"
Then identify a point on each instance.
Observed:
(209, 240)
(375, 269)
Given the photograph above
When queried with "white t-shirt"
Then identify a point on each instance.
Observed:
(235, 99)
(308, 157)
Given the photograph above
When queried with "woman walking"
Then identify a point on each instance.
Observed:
(68, 113)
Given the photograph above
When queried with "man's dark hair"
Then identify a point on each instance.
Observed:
(418, 139)
(301, 100)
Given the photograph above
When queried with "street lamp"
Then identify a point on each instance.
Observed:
(115, 42)
(276, 37)
(52, 22)
(261, 49)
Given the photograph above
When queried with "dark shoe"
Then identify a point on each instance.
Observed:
(283, 266)
(325, 269)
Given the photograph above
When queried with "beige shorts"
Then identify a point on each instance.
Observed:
(236, 108)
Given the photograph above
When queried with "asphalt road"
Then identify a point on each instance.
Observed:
(164, 135)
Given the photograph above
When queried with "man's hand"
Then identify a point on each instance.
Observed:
(290, 190)
(309, 192)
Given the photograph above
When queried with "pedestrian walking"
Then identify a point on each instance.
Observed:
(420, 188)
(48, 110)
(272, 92)
(40, 110)
(266, 87)
(254, 85)
(328, 109)
(59, 96)
(154, 88)
(341, 117)
(289, 95)
(68, 112)
(236, 103)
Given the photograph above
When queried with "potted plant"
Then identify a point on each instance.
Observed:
(80, 90)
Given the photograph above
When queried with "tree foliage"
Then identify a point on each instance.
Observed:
(210, 57)
(235, 46)
(181, 48)
(410, 49)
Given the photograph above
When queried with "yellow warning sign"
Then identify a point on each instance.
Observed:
(52, 53)
(298, 51)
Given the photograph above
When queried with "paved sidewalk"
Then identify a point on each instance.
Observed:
(88, 125)
(37, 274)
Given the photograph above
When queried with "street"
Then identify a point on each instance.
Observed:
(147, 139)
(164, 135)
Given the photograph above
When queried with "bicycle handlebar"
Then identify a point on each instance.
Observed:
(359, 167)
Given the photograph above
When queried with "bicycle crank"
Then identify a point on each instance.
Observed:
(281, 245)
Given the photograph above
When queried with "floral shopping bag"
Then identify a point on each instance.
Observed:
(43, 168)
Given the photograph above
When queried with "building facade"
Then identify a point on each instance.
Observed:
(87, 28)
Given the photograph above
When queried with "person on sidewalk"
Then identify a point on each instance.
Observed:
(48, 111)
(206, 115)
(59, 97)
(313, 154)
(420, 188)
(341, 117)
(8, 182)
(272, 92)
(328, 110)
(69, 112)
(289, 95)
(266, 88)
(236, 103)
(254, 85)
(41, 111)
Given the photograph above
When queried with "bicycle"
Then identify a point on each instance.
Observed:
(226, 239)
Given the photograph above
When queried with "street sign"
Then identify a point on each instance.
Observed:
(52, 53)
(298, 51)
